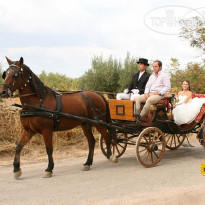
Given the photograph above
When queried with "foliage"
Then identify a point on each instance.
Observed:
(174, 65)
(56, 81)
(109, 75)
(75, 83)
(130, 67)
(103, 76)
(193, 29)
(195, 73)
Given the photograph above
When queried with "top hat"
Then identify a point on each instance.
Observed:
(143, 60)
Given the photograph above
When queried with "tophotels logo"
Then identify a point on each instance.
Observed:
(166, 19)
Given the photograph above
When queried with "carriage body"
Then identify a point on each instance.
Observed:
(155, 134)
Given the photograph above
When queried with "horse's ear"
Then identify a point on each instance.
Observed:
(20, 62)
(9, 61)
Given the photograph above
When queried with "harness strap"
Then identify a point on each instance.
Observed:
(52, 115)
(59, 109)
(89, 102)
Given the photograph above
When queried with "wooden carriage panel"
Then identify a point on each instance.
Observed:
(121, 109)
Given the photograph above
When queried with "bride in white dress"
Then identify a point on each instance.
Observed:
(186, 109)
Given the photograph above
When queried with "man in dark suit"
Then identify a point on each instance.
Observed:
(137, 85)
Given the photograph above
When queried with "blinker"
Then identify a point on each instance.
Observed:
(4, 75)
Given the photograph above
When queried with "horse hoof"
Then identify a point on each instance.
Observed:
(114, 159)
(47, 174)
(17, 174)
(85, 168)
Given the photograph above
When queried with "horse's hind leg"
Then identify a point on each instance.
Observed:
(25, 137)
(48, 139)
(87, 129)
(108, 136)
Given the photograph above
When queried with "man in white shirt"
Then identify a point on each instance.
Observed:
(137, 85)
(156, 88)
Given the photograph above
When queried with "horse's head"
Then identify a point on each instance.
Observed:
(12, 78)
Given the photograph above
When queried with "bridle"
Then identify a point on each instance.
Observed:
(15, 76)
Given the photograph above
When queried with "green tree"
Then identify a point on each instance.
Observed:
(130, 67)
(193, 30)
(109, 74)
(195, 73)
(56, 81)
(75, 84)
(174, 65)
(103, 76)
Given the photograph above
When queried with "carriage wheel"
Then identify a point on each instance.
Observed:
(150, 146)
(117, 148)
(174, 141)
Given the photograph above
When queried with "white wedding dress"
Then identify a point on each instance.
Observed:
(187, 112)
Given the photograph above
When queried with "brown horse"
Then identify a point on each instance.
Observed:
(32, 91)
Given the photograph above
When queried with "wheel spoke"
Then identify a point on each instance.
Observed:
(155, 154)
(178, 138)
(144, 155)
(175, 141)
(171, 141)
(117, 149)
(142, 150)
(168, 138)
(158, 143)
(120, 145)
(145, 139)
(157, 139)
(148, 157)
(152, 157)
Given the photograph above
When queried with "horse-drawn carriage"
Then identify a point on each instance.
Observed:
(45, 111)
(157, 132)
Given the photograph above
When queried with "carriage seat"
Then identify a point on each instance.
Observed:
(201, 116)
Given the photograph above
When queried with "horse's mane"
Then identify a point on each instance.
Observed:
(37, 85)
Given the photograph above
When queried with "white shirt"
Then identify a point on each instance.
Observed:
(161, 83)
(140, 74)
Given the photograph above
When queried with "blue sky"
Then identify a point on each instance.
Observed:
(63, 35)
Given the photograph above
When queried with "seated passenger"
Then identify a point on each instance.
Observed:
(186, 110)
(139, 80)
(156, 88)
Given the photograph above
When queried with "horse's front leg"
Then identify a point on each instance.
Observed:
(25, 137)
(48, 139)
(87, 129)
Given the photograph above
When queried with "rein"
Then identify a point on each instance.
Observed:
(19, 96)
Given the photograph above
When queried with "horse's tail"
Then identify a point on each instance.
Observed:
(108, 118)
(112, 131)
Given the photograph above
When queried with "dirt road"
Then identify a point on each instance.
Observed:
(176, 180)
